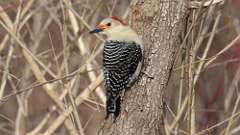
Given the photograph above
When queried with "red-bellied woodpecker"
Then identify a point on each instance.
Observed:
(122, 60)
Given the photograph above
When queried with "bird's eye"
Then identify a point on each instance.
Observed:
(108, 24)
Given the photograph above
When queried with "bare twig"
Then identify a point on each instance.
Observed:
(199, 4)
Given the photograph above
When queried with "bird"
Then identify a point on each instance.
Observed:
(122, 60)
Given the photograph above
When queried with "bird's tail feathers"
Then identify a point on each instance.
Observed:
(113, 104)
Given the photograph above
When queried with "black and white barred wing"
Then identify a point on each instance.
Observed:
(120, 61)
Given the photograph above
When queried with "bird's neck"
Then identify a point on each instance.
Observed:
(124, 34)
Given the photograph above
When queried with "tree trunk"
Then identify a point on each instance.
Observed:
(160, 23)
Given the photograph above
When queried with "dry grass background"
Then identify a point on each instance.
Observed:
(51, 78)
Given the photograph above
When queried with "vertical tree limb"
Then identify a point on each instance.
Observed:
(160, 23)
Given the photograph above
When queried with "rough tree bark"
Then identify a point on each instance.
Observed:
(160, 23)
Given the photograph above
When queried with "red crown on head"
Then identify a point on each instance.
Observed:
(119, 20)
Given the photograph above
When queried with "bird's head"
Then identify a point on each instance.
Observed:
(116, 29)
(108, 25)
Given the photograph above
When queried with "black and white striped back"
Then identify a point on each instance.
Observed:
(120, 60)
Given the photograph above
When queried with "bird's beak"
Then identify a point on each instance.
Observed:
(95, 31)
(99, 28)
